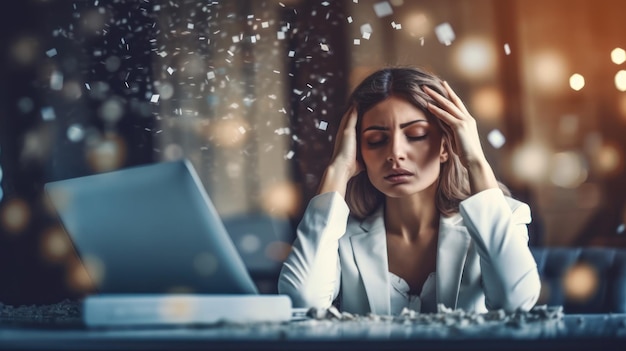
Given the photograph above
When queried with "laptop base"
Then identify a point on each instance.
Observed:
(128, 310)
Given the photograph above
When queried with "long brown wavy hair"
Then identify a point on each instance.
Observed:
(406, 82)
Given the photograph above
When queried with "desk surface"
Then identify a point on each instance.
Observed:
(570, 332)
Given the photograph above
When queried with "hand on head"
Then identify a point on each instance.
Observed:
(344, 164)
(466, 142)
(345, 150)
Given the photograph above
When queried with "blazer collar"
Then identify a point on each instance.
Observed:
(452, 247)
(370, 253)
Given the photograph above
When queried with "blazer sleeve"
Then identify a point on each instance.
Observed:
(311, 273)
(498, 227)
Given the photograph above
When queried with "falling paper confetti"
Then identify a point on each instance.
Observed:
(323, 125)
(47, 113)
(366, 29)
(52, 52)
(496, 138)
(445, 33)
(507, 49)
(383, 9)
(154, 98)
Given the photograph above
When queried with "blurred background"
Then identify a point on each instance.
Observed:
(252, 93)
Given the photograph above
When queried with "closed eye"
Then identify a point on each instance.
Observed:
(417, 138)
(376, 141)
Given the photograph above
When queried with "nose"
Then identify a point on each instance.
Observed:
(396, 150)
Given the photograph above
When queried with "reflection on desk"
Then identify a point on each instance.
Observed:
(571, 332)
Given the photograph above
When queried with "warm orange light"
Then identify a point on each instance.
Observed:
(609, 159)
(107, 153)
(576, 81)
(487, 103)
(417, 24)
(620, 80)
(580, 282)
(14, 215)
(618, 56)
(54, 244)
(227, 132)
(548, 71)
(282, 199)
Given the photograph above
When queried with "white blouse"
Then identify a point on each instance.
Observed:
(425, 302)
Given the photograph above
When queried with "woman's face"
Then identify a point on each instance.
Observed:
(402, 147)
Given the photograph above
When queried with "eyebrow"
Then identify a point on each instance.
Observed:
(402, 125)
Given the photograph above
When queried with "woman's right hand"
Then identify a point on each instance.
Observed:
(344, 164)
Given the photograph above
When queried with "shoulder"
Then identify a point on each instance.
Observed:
(493, 201)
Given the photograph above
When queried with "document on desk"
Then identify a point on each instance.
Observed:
(127, 310)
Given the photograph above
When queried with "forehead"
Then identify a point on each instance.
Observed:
(391, 111)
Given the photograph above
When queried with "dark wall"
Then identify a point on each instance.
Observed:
(36, 147)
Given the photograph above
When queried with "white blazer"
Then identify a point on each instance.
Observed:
(483, 259)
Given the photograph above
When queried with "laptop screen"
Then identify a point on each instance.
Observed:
(149, 229)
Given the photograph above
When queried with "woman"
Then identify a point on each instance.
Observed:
(409, 212)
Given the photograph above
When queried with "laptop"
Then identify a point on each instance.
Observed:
(150, 236)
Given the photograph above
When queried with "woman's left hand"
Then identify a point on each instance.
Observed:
(466, 141)
(453, 112)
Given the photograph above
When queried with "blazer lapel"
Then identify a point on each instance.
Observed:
(452, 246)
(370, 254)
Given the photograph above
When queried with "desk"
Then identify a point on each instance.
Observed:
(571, 332)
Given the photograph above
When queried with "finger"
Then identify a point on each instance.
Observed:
(347, 124)
(445, 103)
(455, 98)
(444, 115)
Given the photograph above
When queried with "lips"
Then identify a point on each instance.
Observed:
(398, 175)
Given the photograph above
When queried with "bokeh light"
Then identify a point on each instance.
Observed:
(85, 276)
(620, 80)
(55, 245)
(75, 132)
(173, 152)
(580, 282)
(112, 110)
(530, 162)
(15, 215)
(25, 50)
(417, 24)
(249, 243)
(568, 169)
(608, 159)
(548, 71)
(475, 58)
(618, 56)
(487, 104)
(227, 132)
(576, 82)
(496, 138)
(107, 153)
(282, 199)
